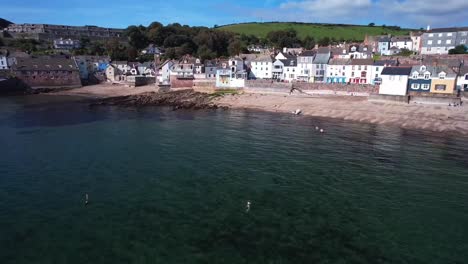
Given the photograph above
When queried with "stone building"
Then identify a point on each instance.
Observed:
(47, 72)
(51, 32)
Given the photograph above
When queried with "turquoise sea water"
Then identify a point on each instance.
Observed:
(172, 186)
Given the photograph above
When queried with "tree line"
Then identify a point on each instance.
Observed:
(179, 40)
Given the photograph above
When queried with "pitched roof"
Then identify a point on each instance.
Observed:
(263, 58)
(307, 53)
(362, 62)
(386, 63)
(396, 71)
(339, 62)
(46, 63)
(400, 38)
(290, 62)
(321, 58)
(451, 29)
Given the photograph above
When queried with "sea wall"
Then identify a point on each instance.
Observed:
(404, 99)
(259, 86)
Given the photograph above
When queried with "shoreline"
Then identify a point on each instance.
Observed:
(434, 118)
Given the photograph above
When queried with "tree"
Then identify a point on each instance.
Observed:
(26, 45)
(371, 24)
(235, 47)
(136, 37)
(283, 38)
(324, 41)
(460, 49)
(308, 42)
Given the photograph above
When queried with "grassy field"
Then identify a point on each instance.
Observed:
(317, 31)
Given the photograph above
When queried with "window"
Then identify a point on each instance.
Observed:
(352, 74)
(463, 41)
(376, 68)
(429, 42)
(440, 87)
(363, 74)
(464, 33)
(352, 68)
(449, 34)
(415, 86)
(423, 68)
(426, 76)
(439, 41)
(359, 67)
(440, 34)
(415, 75)
(441, 75)
(466, 77)
(449, 41)
(425, 87)
(431, 35)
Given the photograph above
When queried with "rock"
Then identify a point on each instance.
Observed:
(186, 99)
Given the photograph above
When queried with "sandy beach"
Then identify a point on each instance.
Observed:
(435, 118)
(106, 90)
(414, 116)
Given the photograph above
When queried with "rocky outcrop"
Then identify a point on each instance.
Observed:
(186, 99)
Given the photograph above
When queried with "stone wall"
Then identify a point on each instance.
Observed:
(266, 84)
(181, 83)
(338, 87)
(50, 79)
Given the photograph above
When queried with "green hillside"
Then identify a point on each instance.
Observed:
(318, 31)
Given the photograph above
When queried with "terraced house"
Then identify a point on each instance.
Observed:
(443, 80)
(420, 79)
(441, 40)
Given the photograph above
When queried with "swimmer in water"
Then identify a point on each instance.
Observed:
(247, 207)
(86, 200)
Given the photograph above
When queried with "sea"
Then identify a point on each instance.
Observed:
(223, 186)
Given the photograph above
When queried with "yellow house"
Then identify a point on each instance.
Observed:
(443, 80)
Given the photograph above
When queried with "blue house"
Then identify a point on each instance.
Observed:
(420, 79)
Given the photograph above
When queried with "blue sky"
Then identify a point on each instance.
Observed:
(120, 13)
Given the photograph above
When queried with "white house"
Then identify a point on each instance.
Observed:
(305, 65)
(394, 80)
(122, 66)
(278, 68)
(164, 71)
(290, 69)
(336, 71)
(401, 42)
(262, 67)
(3, 62)
(462, 80)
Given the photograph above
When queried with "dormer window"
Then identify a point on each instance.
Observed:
(415, 75)
(426, 76)
(442, 75)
